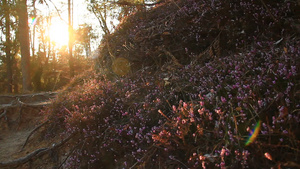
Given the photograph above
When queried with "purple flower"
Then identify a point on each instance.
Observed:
(223, 99)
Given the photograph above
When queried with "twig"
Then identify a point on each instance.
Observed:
(280, 146)
(160, 112)
(179, 7)
(149, 152)
(173, 158)
(268, 10)
(211, 46)
(171, 55)
(70, 153)
(64, 141)
(291, 164)
(57, 10)
(35, 129)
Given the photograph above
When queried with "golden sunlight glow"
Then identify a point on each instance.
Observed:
(58, 33)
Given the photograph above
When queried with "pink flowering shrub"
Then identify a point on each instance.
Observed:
(227, 97)
(200, 114)
(203, 123)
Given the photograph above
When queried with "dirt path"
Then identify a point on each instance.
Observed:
(19, 116)
(11, 143)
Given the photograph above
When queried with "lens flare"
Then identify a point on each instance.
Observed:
(121, 66)
(32, 21)
(254, 134)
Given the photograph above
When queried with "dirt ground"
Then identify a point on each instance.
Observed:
(21, 126)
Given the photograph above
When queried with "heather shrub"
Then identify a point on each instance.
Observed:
(190, 27)
(236, 92)
(239, 109)
(191, 117)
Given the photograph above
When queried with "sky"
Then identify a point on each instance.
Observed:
(80, 16)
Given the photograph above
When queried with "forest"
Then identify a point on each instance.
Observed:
(150, 84)
(42, 50)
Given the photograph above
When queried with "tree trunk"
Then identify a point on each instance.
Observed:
(16, 76)
(33, 31)
(70, 17)
(9, 71)
(24, 44)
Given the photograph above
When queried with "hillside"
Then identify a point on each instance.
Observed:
(187, 84)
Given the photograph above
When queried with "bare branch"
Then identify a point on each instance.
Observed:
(57, 10)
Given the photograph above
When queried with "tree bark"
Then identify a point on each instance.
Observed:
(70, 18)
(9, 71)
(33, 32)
(24, 44)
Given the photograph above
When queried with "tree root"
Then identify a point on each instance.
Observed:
(4, 114)
(34, 154)
(35, 129)
(21, 106)
(22, 160)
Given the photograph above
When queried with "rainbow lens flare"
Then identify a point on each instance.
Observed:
(32, 21)
(254, 134)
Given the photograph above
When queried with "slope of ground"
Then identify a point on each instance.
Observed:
(189, 84)
(185, 84)
(20, 117)
(188, 30)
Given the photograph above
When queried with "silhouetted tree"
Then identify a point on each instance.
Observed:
(70, 20)
(9, 59)
(84, 34)
(24, 43)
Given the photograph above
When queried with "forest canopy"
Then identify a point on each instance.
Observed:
(42, 47)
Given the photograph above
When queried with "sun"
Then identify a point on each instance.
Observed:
(59, 33)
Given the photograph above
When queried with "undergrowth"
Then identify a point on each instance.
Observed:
(196, 114)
